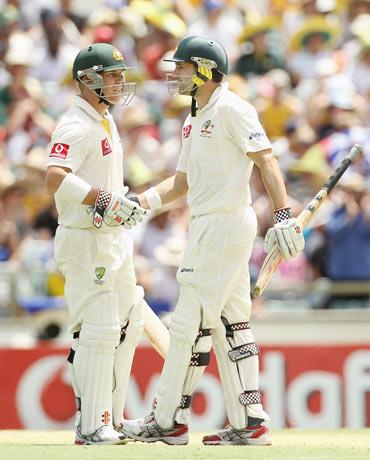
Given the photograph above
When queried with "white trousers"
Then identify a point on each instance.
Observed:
(95, 264)
(214, 279)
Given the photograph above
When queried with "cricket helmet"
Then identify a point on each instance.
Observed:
(96, 58)
(199, 49)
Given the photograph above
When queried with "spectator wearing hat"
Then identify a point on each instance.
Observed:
(22, 103)
(313, 41)
(166, 27)
(279, 104)
(259, 57)
(222, 23)
(55, 53)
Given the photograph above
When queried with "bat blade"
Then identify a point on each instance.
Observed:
(156, 331)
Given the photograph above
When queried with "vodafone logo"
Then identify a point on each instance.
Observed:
(105, 147)
(186, 130)
(42, 394)
(59, 150)
(328, 390)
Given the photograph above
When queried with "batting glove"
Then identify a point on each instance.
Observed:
(115, 209)
(287, 234)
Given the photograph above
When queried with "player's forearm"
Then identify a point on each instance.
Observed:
(275, 187)
(168, 190)
(273, 181)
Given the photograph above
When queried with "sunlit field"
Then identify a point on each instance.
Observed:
(287, 444)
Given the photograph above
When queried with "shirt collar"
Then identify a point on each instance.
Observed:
(217, 93)
(88, 108)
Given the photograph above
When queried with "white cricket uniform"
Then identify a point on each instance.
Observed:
(214, 274)
(92, 260)
(222, 223)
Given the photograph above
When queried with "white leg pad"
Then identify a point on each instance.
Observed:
(184, 329)
(123, 357)
(93, 362)
(195, 371)
(237, 376)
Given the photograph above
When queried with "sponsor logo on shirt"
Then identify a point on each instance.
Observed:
(256, 135)
(207, 128)
(187, 270)
(59, 150)
(105, 147)
(186, 130)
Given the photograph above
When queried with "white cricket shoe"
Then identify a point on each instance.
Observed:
(147, 430)
(256, 435)
(106, 434)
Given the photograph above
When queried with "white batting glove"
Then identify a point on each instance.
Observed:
(115, 209)
(288, 235)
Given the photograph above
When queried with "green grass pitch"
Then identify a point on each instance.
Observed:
(287, 445)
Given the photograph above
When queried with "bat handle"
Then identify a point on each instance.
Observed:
(355, 150)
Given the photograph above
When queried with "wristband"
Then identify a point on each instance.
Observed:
(153, 198)
(73, 189)
(282, 214)
(101, 203)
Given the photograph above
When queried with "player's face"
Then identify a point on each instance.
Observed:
(116, 90)
(180, 80)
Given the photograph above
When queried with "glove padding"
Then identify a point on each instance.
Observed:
(288, 236)
(115, 209)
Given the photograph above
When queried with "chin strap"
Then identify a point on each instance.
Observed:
(204, 73)
(99, 92)
(193, 103)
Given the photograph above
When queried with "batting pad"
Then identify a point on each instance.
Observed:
(93, 371)
(238, 373)
(198, 362)
(131, 335)
(184, 329)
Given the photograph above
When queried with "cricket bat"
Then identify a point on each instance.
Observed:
(274, 257)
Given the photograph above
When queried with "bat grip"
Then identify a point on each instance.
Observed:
(338, 173)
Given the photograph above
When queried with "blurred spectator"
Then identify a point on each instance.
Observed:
(260, 55)
(222, 23)
(162, 226)
(9, 238)
(304, 64)
(313, 41)
(361, 72)
(348, 231)
(166, 28)
(280, 106)
(168, 257)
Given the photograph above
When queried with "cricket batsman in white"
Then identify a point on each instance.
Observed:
(221, 140)
(92, 247)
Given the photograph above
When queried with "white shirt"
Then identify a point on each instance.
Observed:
(214, 151)
(81, 143)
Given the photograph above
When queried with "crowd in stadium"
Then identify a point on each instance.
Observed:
(304, 65)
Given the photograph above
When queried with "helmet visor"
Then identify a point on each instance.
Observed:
(94, 81)
(176, 84)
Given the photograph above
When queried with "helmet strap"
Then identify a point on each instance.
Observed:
(99, 92)
(193, 101)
